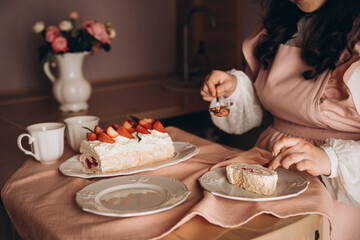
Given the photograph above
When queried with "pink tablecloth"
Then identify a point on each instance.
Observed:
(41, 201)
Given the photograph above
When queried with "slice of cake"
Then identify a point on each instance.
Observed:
(125, 146)
(252, 177)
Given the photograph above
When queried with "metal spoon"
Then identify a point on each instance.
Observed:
(222, 107)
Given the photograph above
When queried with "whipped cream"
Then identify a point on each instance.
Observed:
(98, 148)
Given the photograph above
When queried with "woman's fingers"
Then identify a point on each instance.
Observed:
(218, 83)
(281, 149)
(285, 142)
(212, 80)
(274, 164)
(306, 156)
(208, 90)
(225, 88)
(205, 93)
(292, 158)
(305, 165)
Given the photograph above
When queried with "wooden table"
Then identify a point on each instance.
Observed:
(143, 99)
(111, 102)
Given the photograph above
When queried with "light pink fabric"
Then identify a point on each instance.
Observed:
(41, 201)
(324, 103)
(312, 109)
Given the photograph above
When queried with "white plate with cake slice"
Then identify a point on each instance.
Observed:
(129, 196)
(74, 168)
(289, 184)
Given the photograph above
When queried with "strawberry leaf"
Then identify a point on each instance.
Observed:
(88, 129)
(137, 136)
(133, 118)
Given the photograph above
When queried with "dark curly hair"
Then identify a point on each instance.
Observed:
(325, 39)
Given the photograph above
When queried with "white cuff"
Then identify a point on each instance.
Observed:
(334, 162)
(242, 82)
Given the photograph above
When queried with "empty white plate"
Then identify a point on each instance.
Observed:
(129, 196)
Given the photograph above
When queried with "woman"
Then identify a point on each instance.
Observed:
(304, 61)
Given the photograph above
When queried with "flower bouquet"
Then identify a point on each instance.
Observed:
(89, 36)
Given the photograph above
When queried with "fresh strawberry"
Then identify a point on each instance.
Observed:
(132, 122)
(103, 137)
(147, 122)
(159, 127)
(123, 132)
(141, 129)
(91, 136)
(112, 132)
(115, 126)
(130, 125)
(98, 129)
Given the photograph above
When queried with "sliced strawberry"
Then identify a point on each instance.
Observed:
(91, 136)
(98, 129)
(115, 126)
(159, 127)
(130, 125)
(112, 132)
(141, 129)
(132, 122)
(123, 132)
(147, 122)
(103, 137)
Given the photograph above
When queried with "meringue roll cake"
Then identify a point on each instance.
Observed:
(252, 177)
(130, 145)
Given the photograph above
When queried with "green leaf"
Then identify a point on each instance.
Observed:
(88, 129)
(137, 136)
(45, 53)
(106, 47)
(133, 118)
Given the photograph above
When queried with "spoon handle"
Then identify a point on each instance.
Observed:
(217, 105)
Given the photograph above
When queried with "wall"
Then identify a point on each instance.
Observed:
(250, 15)
(146, 44)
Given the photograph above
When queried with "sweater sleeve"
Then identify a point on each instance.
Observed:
(344, 182)
(245, 112)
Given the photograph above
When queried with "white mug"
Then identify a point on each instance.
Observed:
(75, 130)
(46, 140)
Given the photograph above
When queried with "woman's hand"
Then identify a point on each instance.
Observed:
(218, 83)
(304, 155)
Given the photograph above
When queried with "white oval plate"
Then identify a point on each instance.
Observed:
(74, 168)
(130, 196)
(290, 184)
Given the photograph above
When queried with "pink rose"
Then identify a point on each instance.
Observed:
(97, 30)
(60, 45)
(86, 23)
(51, 33)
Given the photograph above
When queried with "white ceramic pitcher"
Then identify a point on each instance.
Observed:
(70, 88)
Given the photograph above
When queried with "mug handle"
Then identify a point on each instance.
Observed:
(31, 140)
